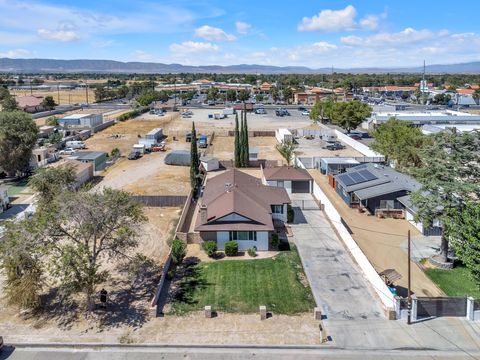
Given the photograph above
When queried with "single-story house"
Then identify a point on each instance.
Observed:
(410, 211)
(83, 171)
(42, 156)
(30, 104)
(237, 207)
(97, 158)
(89, 121)
(209, 163)
(336, 165)
(374, 187)
(293, 180)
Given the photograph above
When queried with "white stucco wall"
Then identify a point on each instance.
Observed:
(409, 218)
(261, 243)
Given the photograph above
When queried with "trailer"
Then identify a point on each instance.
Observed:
(75, 144)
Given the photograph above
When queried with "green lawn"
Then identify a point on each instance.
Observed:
(242, 285)
(16, 187)
(455, 282)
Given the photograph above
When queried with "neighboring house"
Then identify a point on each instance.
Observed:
(97, 158)
(83, 171)
(81, 121)
(374, 187)
(336, 165)
(411, 211)
(238, 207)
(45, 131)
(30, 104)
(42, 156)
(293, 180)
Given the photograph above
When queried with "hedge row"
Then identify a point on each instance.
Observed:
(132, 114)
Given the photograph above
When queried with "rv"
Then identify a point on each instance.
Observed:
(75, 144)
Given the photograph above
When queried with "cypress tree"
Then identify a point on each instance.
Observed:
(241, 143)
(194, 160)
(245, 141)
(237, 143)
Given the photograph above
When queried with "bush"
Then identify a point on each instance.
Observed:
(275, 240)
(290, 214)
(132, 114)
(115, 152)
(231, 248)
(252, 251)
(178, 251)
(210, 247)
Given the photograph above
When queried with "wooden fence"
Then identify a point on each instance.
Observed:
(160, 200)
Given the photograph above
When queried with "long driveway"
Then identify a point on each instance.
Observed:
(337, 283)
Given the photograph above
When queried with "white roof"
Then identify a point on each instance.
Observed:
(138, 145)
(339, 160)
(76, 116)
(154, 131)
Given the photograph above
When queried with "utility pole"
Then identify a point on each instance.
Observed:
(333, 93)
(86, 90)
(409, 319)
(58, 93)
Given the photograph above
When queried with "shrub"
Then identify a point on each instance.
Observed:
(252, 251)
(290, 214)
(115, 152)
(284, 246)
(132, 114)
(275, 240)
(178, 251)
(210, 247)
(231, 248)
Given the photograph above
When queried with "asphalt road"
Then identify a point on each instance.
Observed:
(214, 353)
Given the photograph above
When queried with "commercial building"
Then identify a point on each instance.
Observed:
(238, 207)
(423, 118)
(81, 121)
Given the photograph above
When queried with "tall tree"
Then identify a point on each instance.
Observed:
(9, 104)
(465, 236)
(246, 146)
(243, 95)
(398, 141)
(88, 231)
(18, 136)
(287, 150)
(237, 143)
(322, 109)
(194, 161)
(48, 103)
(449, 175)
(51, 181)
(349, 114)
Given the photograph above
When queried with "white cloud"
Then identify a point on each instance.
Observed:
(213, 34)
(330, 20)
(243, 27)
(59, 35)
(15, 53)
(191, 47)
(142, 55)
(369, 22)
(406, 36)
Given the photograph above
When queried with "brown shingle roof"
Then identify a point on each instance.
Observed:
(286, 173)
(28, 101)
(242, 194)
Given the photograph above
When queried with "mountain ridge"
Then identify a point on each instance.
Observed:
(113, 66)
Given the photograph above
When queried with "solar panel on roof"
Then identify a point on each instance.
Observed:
(346, 179)
(357, 178)
(367, 175)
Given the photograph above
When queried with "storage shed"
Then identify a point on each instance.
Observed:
(210, 163)
(97, 158)
(336, 165)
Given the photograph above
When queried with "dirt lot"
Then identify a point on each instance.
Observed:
(66, 96)
(381, 240)
(124, 134)
(223, 147)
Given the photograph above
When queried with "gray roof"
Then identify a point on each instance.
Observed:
(386, 181)
(339, 160)
(88, 155)
(207, 158)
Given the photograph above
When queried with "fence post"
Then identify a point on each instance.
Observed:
(414, 308)
(398, 309)
(470, 308)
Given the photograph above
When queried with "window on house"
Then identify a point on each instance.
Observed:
(280, 183)
(243, 236)
(387, 204)
(277, 209)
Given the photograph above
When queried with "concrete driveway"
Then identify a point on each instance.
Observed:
(337, 283)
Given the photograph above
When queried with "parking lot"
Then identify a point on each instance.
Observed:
(315, 147)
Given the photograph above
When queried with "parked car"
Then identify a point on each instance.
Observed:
(355, 136)
(188, 137)
(306, 113)
(160, 147)
(1, 343)
(202, 141)
(67, 151)
(334, 146)
(260, 111)
(134, 155)
(302, 108)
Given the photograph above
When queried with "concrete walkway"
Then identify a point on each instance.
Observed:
(337, 284)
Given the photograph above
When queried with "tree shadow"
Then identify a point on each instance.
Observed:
(187, 280)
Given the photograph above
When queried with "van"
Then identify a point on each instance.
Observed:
(76, 144)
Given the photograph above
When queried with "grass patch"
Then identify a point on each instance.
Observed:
(240, 286)
(455, 282)
(15, 188)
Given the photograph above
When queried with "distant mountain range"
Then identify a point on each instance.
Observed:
(110, 66)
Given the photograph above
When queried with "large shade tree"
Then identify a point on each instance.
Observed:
(18, 136)
(349, 114)
(450, 176)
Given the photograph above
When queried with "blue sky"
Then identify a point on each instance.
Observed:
(310, 33)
